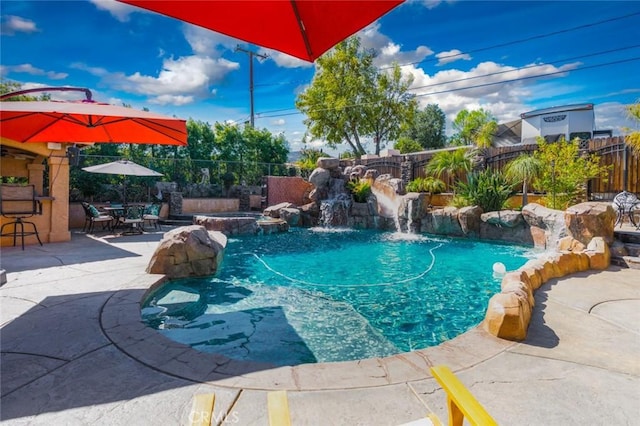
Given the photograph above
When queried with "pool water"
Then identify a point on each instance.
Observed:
(333, 295)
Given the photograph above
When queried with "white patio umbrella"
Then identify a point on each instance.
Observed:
(122, 167)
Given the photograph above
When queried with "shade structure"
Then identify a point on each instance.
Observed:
(87, 122)
(301, 28)
(123, 168)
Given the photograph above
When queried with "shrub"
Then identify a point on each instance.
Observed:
(360, 190)
(488, 189)
(459, 201)
(565, 172)
(426, 184)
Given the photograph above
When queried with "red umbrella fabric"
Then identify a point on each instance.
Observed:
(301, 28)
(87, 122)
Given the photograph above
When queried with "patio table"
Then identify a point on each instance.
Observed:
(121, 217)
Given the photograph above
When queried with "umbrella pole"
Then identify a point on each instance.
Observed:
(124, 191)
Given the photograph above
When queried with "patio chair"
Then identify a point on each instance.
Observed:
(152, 215)
(92, 216)
(461, 403)
(626, 204)
(132, 219)
(19, 202)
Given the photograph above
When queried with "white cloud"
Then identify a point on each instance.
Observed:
(30, 69)
(172, 100)
(488, 85)
(181, 78)
(206, 42)
(388, 51)
(452, 56)
(97, 71)
(279, 122)
(118, 10)
(613, 115)
(14, 24)
(432, 4)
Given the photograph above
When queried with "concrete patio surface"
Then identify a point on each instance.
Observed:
(74, 352)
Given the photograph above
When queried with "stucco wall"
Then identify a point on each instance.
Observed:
(287, 189)
(210, 205)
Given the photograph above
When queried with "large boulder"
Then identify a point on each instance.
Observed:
(328, 163)
(503, 218)
(508, 315)
(228, 225)
(505, 225)
(290, 215)
(469, 218)
(320, 177)
(586, 221)
(274, 211)
(598, 253)
(443, 222)
(188, 251)
(546, 225)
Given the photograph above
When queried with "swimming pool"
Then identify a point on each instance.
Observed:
(324, 295)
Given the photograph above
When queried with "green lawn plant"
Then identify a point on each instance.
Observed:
(360, 190)
(427, 184)
(488, 189)
(565, 172)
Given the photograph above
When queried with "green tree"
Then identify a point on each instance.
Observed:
(450, 163)
(406, 145)
(390, 107)
(633, 138)
(565, 171)
(428, 128)
(349, 99)
(475, 127)
(525, 169)
(247, 151)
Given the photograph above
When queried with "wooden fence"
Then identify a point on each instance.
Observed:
(624, 174)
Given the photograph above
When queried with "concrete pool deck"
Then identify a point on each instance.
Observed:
(74, 351)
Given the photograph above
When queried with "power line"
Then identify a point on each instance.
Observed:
(530, 77)
(524, 40)
(528, 67)
(485, 84)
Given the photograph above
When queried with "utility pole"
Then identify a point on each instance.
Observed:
(251, 55)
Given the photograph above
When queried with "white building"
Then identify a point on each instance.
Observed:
(569, 121)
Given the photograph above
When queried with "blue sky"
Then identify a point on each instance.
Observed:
(497, 52)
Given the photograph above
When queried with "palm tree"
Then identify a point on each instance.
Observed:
(451, 163)
(525, 168)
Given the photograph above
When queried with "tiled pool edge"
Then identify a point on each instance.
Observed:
(121, 322)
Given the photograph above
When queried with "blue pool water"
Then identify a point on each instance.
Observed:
(318, 295)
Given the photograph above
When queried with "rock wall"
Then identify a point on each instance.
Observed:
(509, 312)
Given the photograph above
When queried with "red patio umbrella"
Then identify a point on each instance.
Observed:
(301, 28)
(87, 122)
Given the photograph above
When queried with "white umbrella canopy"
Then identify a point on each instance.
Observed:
(122, 167)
